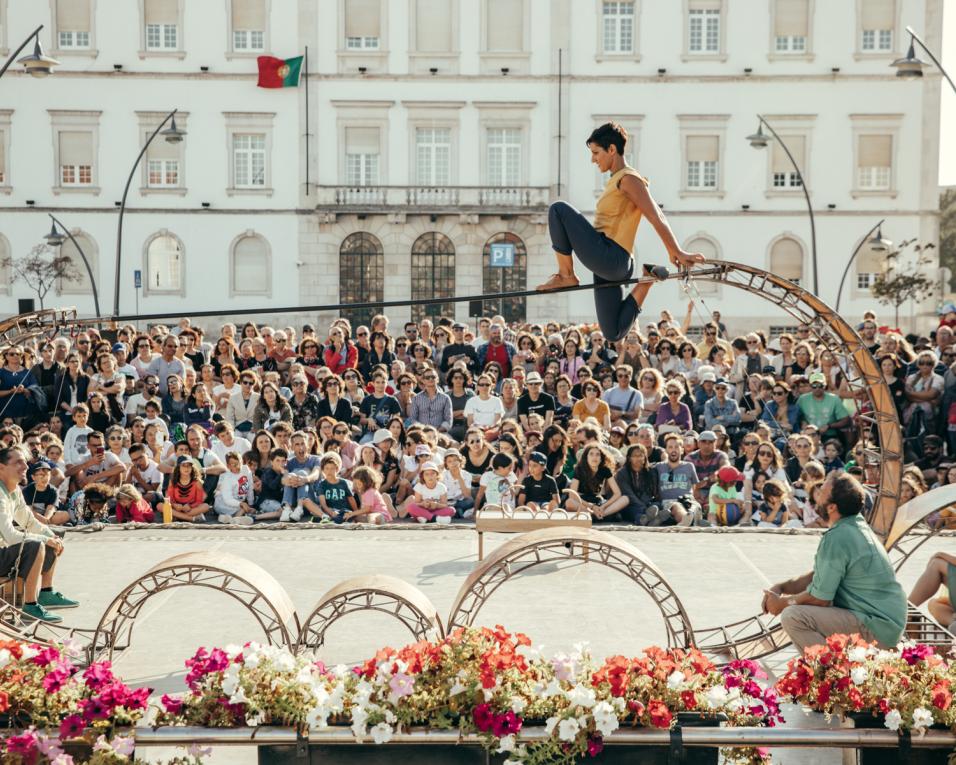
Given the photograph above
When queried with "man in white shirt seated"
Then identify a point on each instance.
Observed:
(136, 404)
(100, 465)
(227, 441)
(485, 410)
(29, 550)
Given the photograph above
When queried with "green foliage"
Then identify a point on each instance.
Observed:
(42, 269)
(901, 283)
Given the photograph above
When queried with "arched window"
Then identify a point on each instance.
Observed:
(786, 259)
(433, 274)
(504, 278)
(82, 285)
(251, 271)
(164, 264)
(361, 276)
(708, 248)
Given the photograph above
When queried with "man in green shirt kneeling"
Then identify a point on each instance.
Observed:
(852, 587)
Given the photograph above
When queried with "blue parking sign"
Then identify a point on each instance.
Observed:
(502, 255)
(137, 279)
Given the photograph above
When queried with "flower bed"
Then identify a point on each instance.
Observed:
(483, 681)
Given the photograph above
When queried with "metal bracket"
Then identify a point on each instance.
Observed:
(676, 753)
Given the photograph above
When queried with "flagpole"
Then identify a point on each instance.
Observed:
(307, 133)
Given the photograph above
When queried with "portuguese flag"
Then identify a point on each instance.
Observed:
(279, 73)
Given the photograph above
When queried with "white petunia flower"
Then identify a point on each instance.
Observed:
(359, 720)
(456, 688)
(518, 704)
(28, 652)
(232, 650)
(381, 733)
(550, 724)
(893, 719)
(922, 719)
(553, 689)
(239, 697)
(5, 657)
(859, 675)
(580, 696)
(253, 721)
(506, 743)
(568, 729)
(675, 679)
(856, 654)
(605, 719)
(717, 697)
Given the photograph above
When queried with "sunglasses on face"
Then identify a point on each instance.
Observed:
(247, 382)
(750, 443)
(764, 454)
(924, 363)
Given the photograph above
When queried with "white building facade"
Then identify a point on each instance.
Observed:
(431, 129)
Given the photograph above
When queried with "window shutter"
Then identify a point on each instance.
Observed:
(791, 18)
(159, 149)
(505, 25)
(878, 14)
(797, 146)
(433, 26)
(162, 11)
(76, 148)
(875, 151)
(362, 140)
(73, 15)
(249, 14)
(702, 148)
(786, 259)
(249, 265)
(362, 18)
(870, 262)
(704, 5)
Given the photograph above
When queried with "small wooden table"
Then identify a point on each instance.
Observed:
(520, 520)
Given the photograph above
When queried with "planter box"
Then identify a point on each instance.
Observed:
(899, 755)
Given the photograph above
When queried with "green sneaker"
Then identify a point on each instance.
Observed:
(54, 599)
(35, 611)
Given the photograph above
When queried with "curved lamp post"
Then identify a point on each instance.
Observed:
(876, 243)
(172, 134)
(55, 239)
(911, 66)
(36, 63)
(760, 140)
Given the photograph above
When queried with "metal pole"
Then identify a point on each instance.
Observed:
(806, 194)
(560, 80)
(17, 51)
(307, 134)
(89, 271)
(930, 54)
(119, 228)
(849, 263)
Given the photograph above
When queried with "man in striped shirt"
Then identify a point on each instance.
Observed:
(431, 406)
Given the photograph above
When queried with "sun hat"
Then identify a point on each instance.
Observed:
(382, 435)
(422, 449)
(429, 466)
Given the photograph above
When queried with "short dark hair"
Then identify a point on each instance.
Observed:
(847, 494)
(607, 135)
(501, 460)
(7, 453)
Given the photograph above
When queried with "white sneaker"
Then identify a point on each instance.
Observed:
(285, 514)
(296, 514)
(227, 519)
(422, 519)
(444, 520)
(468, 514)
(242, 520)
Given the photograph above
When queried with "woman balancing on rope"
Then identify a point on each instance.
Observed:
(605, 248)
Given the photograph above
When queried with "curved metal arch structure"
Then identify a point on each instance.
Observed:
(27, 326)
(237, 577)
(556, 545)
(382, 593)
(903, 539)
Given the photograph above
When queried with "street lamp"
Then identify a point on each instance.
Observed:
(875, 242)
(36, 63)
(911, 66)
(172, 135)
(761, 140)
(55, 239)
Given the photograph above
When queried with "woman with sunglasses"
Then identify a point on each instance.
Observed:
(72, 388)
(687, 361)
(333, 404)
(801, 447)
(116, 443)
(144, 355)
(591, 405)
(923, 390)
(476, 456)
(769, 464)
(406, 392)
(340, 353)
(782, 414)
(353, 392)
(666, 363)
(310, 357)
(673, 415)
(16, 398)
(225, 354)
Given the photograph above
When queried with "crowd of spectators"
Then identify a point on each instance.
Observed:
(436, 420)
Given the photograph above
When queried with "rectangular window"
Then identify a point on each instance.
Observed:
(504, 156)
(163, 173)
(433, 156)
(702, 159)
(362, 149)
(703, 30)
(76, 158)
(433, 26)
(865, 280)
(877, 22)
(618, 27)
(784, 174)
(362, 24)
(874, 162)
(248, 23)
(162, 24)
(249, 157)
(73, 24)
(791, 25)
(504, 25)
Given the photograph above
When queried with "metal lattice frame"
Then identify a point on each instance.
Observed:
(17, 330)
(556, 545)
(385, 594)
(237, 577)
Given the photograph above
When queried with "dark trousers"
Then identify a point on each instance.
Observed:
(609, 262)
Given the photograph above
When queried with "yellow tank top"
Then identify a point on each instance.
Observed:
(615, 214)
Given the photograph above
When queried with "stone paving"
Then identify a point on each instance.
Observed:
(718, 576)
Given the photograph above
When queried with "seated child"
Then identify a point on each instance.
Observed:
(234, 494)
(496, 486)
(130, 505)
(334, 494)
(269, 497)
(772, 512)
(539, 491)
(458, 483)
(373, 506)
(725, 505)
(430, 500)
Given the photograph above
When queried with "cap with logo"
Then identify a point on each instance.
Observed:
(818, 377)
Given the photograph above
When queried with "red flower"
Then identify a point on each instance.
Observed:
(72, 726)
(823, 694)
(506, 724)
(483, 718)
(172, 705)
(689, 700)
(942, 697)
(595, 746)
(4, 701)
(660, 715)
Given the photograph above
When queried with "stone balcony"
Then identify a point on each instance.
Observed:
(484, 200)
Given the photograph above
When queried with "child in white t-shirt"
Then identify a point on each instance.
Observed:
(497, 486)
(431, 497)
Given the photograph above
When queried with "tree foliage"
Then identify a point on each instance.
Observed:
(900, 283)
(41, 269)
